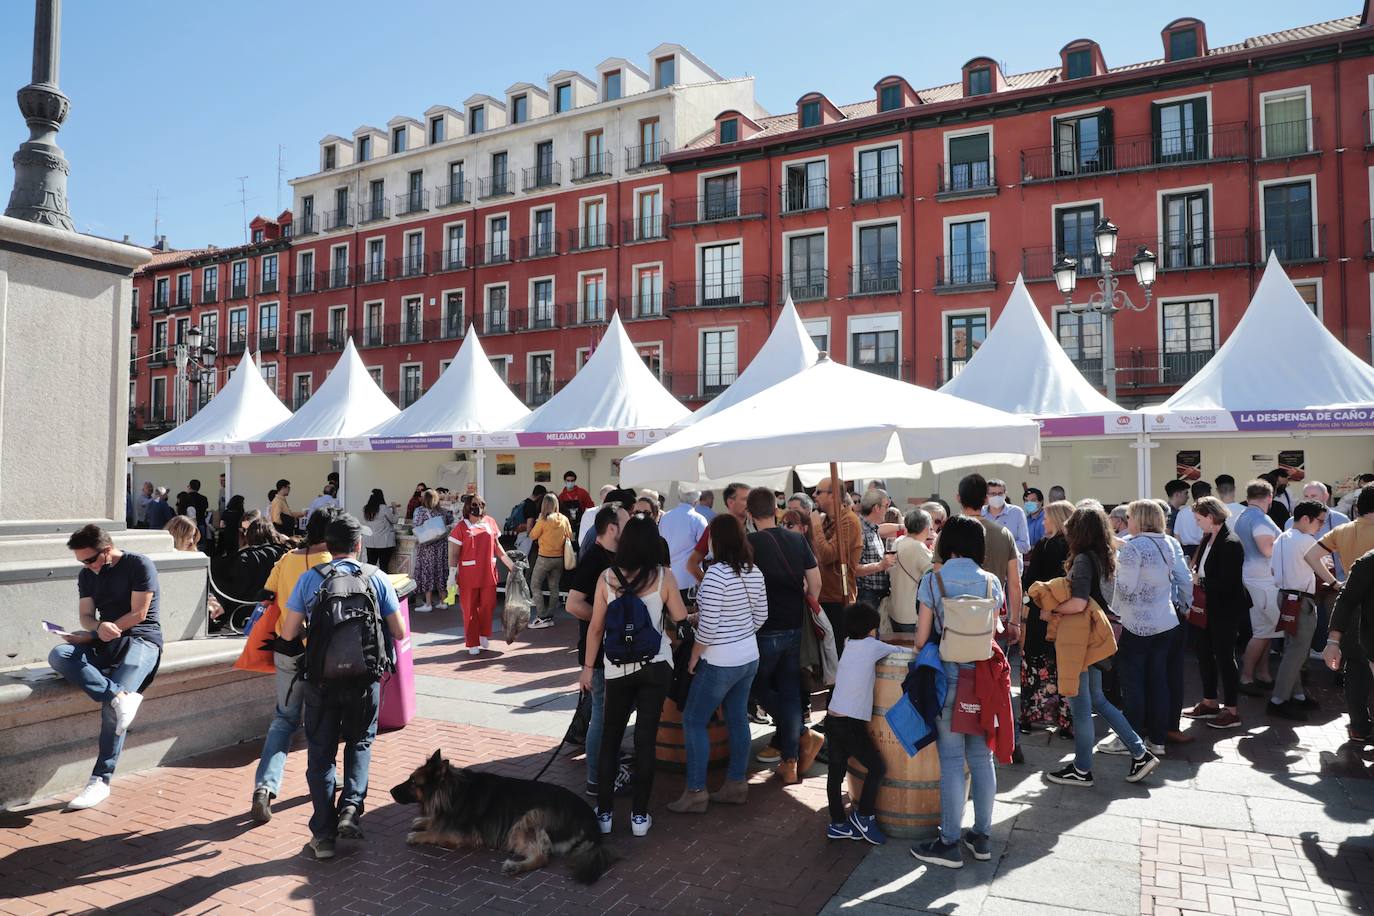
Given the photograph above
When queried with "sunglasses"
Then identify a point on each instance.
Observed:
(91, 560)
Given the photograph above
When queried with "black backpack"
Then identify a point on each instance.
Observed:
(346, 642)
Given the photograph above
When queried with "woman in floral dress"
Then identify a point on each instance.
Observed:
(1040, 699)
(431, 560)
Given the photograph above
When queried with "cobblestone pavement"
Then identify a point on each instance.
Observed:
(1269, 819)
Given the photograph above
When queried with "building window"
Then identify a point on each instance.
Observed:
(652, 354)
(806, 267)
(415, 254)
(302, 390)
(305, 330)
(415, 191)
(1183, 44)
(804, 186)
(133, 307)
(542, 243)
(649, 149)
(238, 279)
(970, 162)
(965, 334)
(593, 229)
(719, 361)
(519, 109)
(968, 253)
(453, 314)
(610, 86)
(543, 164)
(376, 261)
(338, 273)
(980, 81)
(722, 196)
(811, 114)
(499, 176)
(436, 129)
(376, 208)
(457, 186)
(498, 238)
(1083, 144)
(1079, 63)
(410, 385)
(455, 248)
(1286, 126)
(729, 130)
(1310, 293)
(374, 314)
(878, 270)
(161, 296)
(398, 140)
(562, 97)
(649, 221)
(338, 327)
(364, 149)
(593, 295)
(665, 72)
(267, 327)
(594, 160)
(1186, 229)
(648, 292)
(721, 278)
(376, 374)
(1081, 338)
(1189, 338)
(183, 289)
(819, 332)
(159, 400)
(209, 329)
(238, 330)
(477, 119)
(541, 304)
(1180, 130)
(209, 284)
(501, 366)
(413, 319)
(1288, 229)
(1073, 236)
(183, 325)
(880, 174)
(160, 339)
(258, 236)
(497, 310)
(269, 273)
(540, 378)
(340, 208)
(876, 352)
(331, 157)
(890, 97)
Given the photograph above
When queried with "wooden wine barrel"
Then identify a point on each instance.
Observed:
(909, 799)
(670, 752)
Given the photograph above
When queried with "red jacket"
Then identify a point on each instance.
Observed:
(992, 684)
(479, 548)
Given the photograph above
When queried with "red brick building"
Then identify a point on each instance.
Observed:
(897, 223)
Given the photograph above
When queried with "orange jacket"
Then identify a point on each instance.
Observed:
(1080, 640)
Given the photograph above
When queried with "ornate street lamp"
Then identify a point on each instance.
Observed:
(1110, 298)
(193, 361)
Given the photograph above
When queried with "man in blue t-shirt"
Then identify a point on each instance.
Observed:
(118, 648)
(1257, 533)
(335, 712)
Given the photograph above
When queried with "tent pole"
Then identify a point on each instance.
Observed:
(481, 470)
(1143, 445)
(837, 494)
(342, 495)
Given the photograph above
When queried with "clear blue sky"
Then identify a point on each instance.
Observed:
(181, 97)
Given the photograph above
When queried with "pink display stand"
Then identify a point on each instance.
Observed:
(398, 687)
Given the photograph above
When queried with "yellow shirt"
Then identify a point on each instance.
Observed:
(1351, 540)
(551, 532)
(281, 581)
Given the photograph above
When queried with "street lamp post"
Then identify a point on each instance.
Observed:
(193, 359)
(1110, 298)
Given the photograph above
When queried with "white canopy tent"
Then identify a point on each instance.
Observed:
(830, 412)
(1279, 379)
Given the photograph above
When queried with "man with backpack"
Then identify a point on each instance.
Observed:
(341, 607)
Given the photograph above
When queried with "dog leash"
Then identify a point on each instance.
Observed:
(558, 750)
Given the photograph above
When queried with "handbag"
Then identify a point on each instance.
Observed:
(431, 529)
(1197, 611)
(569, 555)
(254, 657)
(826, 646)
(967, 707)
(1290, 609)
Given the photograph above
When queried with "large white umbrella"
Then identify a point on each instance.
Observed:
(875, 426)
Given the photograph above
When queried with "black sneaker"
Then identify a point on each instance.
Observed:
(1072, 776)
(348, 823)
(1252, 688)
(1288, 709)
(1017, 756)
(261, 811)
(938, 852)
(980, 844)
(1142, 766)
(1307, 702)
(591, 790)
(322, 846)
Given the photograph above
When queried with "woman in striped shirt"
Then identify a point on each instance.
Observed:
(731, 605)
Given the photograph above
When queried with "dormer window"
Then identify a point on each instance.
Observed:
(436, 130)
(810, 114)
(610, 86)
(665, 72)
(1183, 44)
(398, 139)
(890, 97)
(257, 236)
(364, 149)
(331, 157)
(477, 119)
(980, 81)
(1078, 63)
(520, 109)
(729, 130)
(562, 97)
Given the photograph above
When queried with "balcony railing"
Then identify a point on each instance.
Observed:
(495, 252)
(267, 342)
(449, 195)
(591, 312)
(644, 229)
(331, 341)
(1037, 263)
(647, 305)
(209, 294)
(336, 277)
(1140, 368)
(453, 326)
(722, 292)
(965, 272)
(498, 185)
(372, 271)
(540, 392)
(133, 363)
(238, 290)
(406, 396)
(158, 416)
(183, 299)
(804, 286)
(547, 175)
(377, 335)
(746, 203)
(410, 265)
(586, 238)
(417, 330)
(299, 399)
(880, 278)
(1287, 139)
(698, 386)
(236, 344)
(268, 285)
(160, 357)
(1176, 251)
(648, 156)
(416, 201)
(538, 317)
(370, 211)
(160, 304)
(803, 196)
(590, 168)
(494, 321)
(967, 179)
(900, 370)
(336, 219)
(302, 225)
(539, 245)
(877, 184)
(1148, 151)
(301, 344)
(451, 258)
(1294, 244)
(305, 282)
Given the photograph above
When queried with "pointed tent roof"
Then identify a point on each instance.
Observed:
(244, 407)
(468, 397)
(1245, 375)
(1022, 369)
(348, 404)
(787, 351)
(614, 391)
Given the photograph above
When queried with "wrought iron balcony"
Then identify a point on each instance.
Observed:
(161, 303)
(336, 219)
(547, 175)
(539, 392)
(494, 321)
(160, 357)
(301, 344)
(410, 265)
(900, 370)
(370, 211)
(457, 257)
(588, 237)
(299, 399)
(182, 300)
(268, 285)
(302, 225)
(416, 201)
(539, 245)
(499, 184)
(963, 273)
(305, 282)
(209, 294)
(331, 341)
(1177, 251)
(1037, 263)
(453, 326)
(804, 196)
(644, 229)
(336, 278)
(372, 271)
(591, 312)
(722, 292)
(267, 341)
(591, 168)
(804, 285)
(879, 278)
(1287, 139)
(873, 185)
(1293, 244)
(1062, 161)
(237, 343)
(745, 203)
(450, 195)
(698, 387)
(538, 317)
(495, 252)
(238, 290)
(1141, 368)
(417, 330)
(647, 156)
(646, 305)
(377, 336)
(966, 179)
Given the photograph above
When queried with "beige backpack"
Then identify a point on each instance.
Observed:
(969, 624)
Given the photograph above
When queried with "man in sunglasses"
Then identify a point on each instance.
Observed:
(115, 654)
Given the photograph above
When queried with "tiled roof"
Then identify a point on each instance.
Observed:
(785, 123)
(164, 258)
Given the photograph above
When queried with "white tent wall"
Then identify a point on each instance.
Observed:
(174, 475)
(1330, 459)
(254, 476)
(593, 466)
(397, 473)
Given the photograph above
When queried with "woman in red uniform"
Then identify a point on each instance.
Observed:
(473, 549)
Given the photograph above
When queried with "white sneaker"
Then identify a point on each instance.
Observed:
(1156, 749)
(126, 707)
(483, 641)
(422, 609)
(640, 824)
(439, 607)
(1114, 746)
(96, 791)
(475, 650)
(541, 623)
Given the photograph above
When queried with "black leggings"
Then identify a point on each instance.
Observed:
(847, 738)
(642, 693)
(380, 557)
(1216, 655)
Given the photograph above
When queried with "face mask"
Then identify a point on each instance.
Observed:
(997, 502)
(1032, 507)
(569, 484)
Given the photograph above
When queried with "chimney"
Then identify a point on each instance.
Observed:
(160, 244)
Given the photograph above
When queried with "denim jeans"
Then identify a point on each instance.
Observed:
(1144, 667)
(548, 572)
(777, 686)
(80, 665)
(955, 751)
(285, 721)
(1090, 697)
(712, 687)
(597, 724)
(333, 714)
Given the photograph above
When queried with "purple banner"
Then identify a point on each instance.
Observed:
(568, 440)
(409, 444)
(1071, 426)
(176, 451)
(284, 447)
(1346, 418)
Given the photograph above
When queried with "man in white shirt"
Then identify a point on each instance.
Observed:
(1186, 529)
(1226, 492)
(328, 499)
(1296, 578)
(682, 528)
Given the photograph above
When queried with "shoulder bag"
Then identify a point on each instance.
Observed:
(826, 645)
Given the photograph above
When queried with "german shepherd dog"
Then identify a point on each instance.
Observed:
(463, 808)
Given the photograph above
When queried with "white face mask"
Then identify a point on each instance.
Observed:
(998, 501)
(569, 484)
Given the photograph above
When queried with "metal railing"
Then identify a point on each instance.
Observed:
(644, 229)
(336, 219)
(745, 203)
(496, 185)
(974, 270)
(373, 271)
(183, 300)
(804, 286)
(879, 278)
(377, 336)
(161, 356)
(448, 258)
(268, 285)
(453, 326)
(418, 330)
(267, 343)
(698, 386)
(416, 201)
(209, 294)
(1285, 139)
(495, 252)
(537, 393)
(305, 282)
(449, 195)
(1140, 368)
(957, 178)
(548, 175)
(539, 245)
(236, 343)
(1179, 251)
(494, 321)
(647, 156)
(331, 341)
(649, 305)
(302, 225)
(590, 168)
(301, 344)
(1037, 263)
(410, 265)
(804, 196)
(877, 184)
(1147, 151)
(298, 400)
(900, 369)
(238, 290)
(160, 304)
(587, 237)
(369, 211)
(730, 290)
(1303, 243)
(336, 278)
